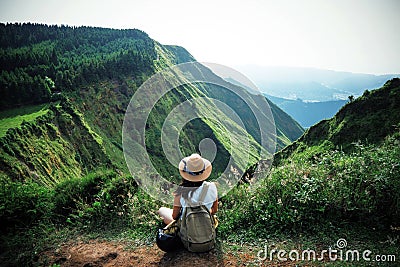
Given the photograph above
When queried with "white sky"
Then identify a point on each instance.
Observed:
(353, 35)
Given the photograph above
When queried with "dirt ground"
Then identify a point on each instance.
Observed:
(112, 254)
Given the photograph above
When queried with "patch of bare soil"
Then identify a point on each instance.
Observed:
(105, 253)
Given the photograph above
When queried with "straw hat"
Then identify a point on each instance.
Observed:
(195, 168)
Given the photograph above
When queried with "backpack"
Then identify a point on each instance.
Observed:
(196, 226)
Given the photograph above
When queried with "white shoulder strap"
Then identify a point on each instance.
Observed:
(203, 193)
(202, 196)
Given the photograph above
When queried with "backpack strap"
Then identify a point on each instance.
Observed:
(189, 202)
(170, 225)
(202, 196)
(203, 193)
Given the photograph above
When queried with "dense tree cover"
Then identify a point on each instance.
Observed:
(38, 60)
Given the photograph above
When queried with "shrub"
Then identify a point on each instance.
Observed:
(23, 204)
(75, 192)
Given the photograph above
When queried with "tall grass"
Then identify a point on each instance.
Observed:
(321, 188)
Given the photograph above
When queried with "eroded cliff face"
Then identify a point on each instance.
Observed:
(55, 146)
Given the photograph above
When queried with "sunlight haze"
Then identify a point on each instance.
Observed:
(355, 36)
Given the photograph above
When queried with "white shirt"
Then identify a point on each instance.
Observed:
(211, 195)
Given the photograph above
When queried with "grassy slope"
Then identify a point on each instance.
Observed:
(13, 118)
(287, 128)
(55, 146)
(295, 207)
(104, 103)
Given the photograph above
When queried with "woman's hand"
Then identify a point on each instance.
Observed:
(214, 207)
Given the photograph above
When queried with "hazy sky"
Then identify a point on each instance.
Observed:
(357, 36)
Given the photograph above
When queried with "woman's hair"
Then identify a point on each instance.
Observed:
(186, 188)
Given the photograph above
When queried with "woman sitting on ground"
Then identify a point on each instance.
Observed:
(194, 171)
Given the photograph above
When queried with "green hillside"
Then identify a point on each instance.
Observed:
(53, 147)
(368, 118)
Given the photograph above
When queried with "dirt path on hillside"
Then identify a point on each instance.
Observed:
(95, 253)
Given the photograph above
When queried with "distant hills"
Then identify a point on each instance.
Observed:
(312, 84)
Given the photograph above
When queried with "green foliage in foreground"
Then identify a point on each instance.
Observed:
(95, 197)
(101, 203)
(321, 188)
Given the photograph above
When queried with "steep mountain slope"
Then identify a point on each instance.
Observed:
(341, 170)
(96, 71)
(55, 146)
(367, 119)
